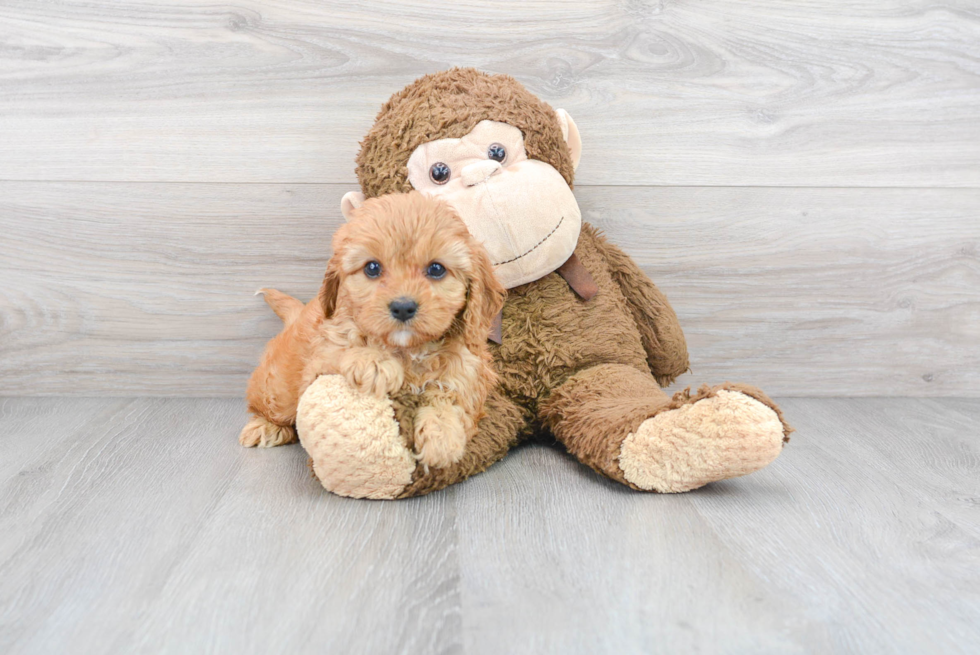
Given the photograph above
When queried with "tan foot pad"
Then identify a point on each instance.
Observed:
(723, 436)
(353, 440)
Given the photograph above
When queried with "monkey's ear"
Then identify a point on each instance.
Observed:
(352, 200)
(570, 131)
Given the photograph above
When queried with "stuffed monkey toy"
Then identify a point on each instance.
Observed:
(585, 340)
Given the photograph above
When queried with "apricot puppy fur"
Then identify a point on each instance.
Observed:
(406, 305)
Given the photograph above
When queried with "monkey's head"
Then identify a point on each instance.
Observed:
(501, 157)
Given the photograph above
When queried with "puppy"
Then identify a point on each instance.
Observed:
(405, 309)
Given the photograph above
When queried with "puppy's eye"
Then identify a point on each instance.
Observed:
(372, 269)
(496, 152)
(436, 271)
(440, 173)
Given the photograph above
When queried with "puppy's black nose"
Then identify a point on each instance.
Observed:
(403, 309)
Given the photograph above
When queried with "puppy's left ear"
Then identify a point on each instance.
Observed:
(330, 288)
(484, 300)
(335, 273)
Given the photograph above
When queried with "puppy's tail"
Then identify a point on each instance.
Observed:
(286, 307)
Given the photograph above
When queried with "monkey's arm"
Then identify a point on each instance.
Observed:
(661, 332)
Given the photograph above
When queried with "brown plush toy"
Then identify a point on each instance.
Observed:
(585, 340)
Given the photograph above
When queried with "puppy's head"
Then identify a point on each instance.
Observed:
(408, 272)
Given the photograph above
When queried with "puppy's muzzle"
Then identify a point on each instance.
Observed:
(403, 309)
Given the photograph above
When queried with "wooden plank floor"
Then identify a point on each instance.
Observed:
(140, 525)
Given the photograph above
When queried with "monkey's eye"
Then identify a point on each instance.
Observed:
(440, 173)
(436, 271)
(372, 269)
(496, 152)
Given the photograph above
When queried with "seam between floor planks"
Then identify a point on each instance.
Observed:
(147, 511)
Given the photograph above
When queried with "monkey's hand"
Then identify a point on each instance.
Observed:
(440, 435)
(371, 371)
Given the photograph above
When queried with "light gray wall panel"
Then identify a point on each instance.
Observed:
(147, 288)
(761, 93)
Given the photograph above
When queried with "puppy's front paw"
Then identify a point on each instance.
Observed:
(440, 438)
(372, 373)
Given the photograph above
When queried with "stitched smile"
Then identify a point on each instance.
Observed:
(534, 247)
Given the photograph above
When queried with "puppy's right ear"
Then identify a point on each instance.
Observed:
(352, 200)
(330, 288)
(485, 299)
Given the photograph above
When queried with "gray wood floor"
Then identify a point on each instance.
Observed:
(140, 525)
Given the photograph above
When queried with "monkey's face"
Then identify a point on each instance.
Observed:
(520, 209)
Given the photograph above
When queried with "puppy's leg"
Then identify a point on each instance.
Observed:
(276, 384)
(441, 434)
(451, 407)
(372, 371)
(263, 433)
(504, 424)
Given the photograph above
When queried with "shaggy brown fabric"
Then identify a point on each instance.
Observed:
(662, 337)
(550, 334)
(593, 411)
(448, 105)
(580, 369)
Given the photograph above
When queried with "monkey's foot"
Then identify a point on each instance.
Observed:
(353, 440)
(723, 434)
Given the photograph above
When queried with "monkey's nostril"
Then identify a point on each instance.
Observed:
(403, 309)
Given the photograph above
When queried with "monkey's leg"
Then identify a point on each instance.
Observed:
(357, 448)
(617, 420)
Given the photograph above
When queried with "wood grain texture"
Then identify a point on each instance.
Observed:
(140, 525)
(147, 288)
(762, 93)
(860, 533)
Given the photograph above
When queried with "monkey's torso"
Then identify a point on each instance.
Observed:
(549, 333)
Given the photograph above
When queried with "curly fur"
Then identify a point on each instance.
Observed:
(437, 363)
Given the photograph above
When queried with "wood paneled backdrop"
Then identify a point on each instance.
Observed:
(802, 179)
